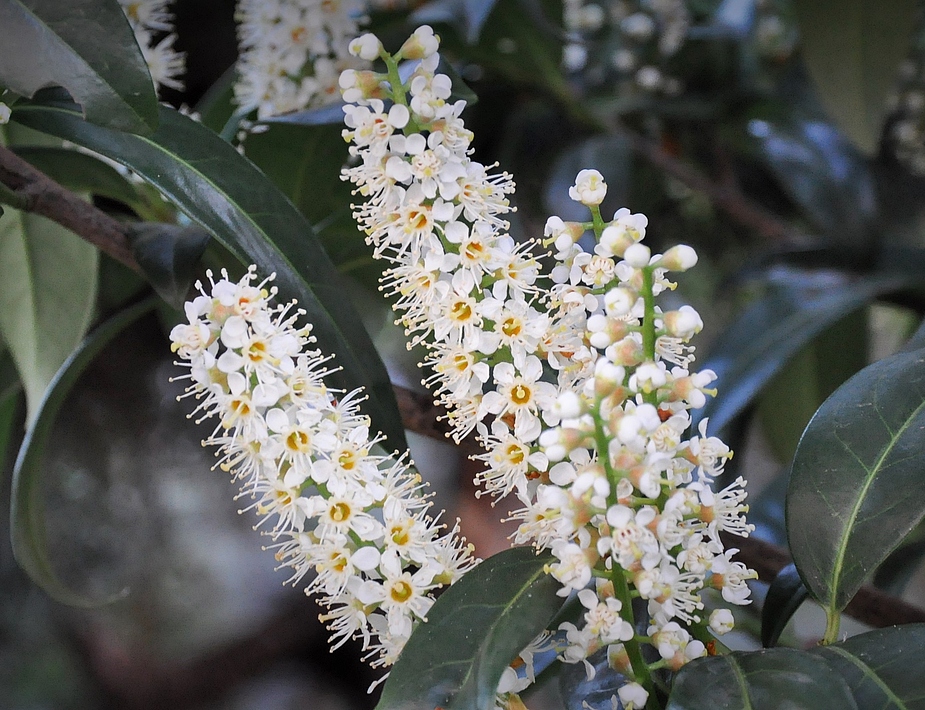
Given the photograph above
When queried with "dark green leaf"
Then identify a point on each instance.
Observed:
(854, 61)
(86, 46)
(785, 595)
(217, 106)
(772, 679)
(773, 329)
(900, 567)
(822, 173)
(857, 485)
(226, 194)
(476, 13)
(81, 173)
(27, 531)
(473, 632)
(168, 255)
(581, 693)
(883, 668)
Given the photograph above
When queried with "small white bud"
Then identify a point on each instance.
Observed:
(367, 47)
(679, 258)
(637, 255)
(619, 301)
(721, 621)
(589, 188)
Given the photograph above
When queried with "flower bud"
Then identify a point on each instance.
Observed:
(367, 47)
(721, 621)
(615, 239)
(684, 323)
(420, 45)
(619, 301)
(679, 258)
(589, 188)
(637, 255)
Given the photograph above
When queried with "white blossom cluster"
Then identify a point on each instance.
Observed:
(152, 23)
(355, 520)
(292, 52)
(906, 132)
(636, 38)
(612, 486)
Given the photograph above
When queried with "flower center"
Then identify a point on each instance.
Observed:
(401, 591)
(520, 394)
(298, 441)
(339, 512)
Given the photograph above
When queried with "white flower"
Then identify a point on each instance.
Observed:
(633, 696)
(721, 621)
(589, 188)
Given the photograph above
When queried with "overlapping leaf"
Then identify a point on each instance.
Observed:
(785, 595)
(85, 46)
(857, 485)
(231, 198)
(473, 631)
(27, 532)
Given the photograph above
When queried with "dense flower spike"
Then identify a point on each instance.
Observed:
(152, 24)
(307, 462)
(292, 52)
(579, 386)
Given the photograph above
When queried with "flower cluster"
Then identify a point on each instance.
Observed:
(292, 52)
(152, 24)
(577, 383)
(906, 132)
(307, 461)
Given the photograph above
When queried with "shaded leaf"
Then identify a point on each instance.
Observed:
(473, 631)
(581, 693)
(822, 173)
(854, 61)
(81, 173)
(761, 680)
(27, 531)
(86, 46)
(857, 485)
(774, 328)
(169, 254)
(785, 595)
(883, 668)
(222, 191)
(900, 567)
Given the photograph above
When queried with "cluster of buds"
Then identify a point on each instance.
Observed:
(150, 19)
(292, 52)
(577, 383)
(308, 463)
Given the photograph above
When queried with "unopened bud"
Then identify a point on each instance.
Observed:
(589, 188)
(679, 258)
(367, 47)
(420, 45)
(637, 255)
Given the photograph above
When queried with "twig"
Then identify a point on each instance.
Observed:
(40, 194)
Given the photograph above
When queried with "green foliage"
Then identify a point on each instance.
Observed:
(856, 485)
(85, 46)
(27, 531)
(785, 595)
(169, 256)
(228, 196)
(854, 61)
(473, 631)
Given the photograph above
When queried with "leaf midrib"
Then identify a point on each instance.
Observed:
(869, 673)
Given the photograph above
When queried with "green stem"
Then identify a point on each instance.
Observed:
(832, 623)
(597, 222)
(641, 671)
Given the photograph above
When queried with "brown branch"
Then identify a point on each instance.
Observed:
(43, 196)
(725, 196)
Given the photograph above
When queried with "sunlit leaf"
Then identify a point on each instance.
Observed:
(853, 49)
(473, 632)
(222, 191)
(27, 532)
(86, 46)
(761, 680)
(883, 668)
(857, 485)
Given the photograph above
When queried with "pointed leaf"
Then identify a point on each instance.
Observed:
(857, 485)
(47, 295)
(772, 330)
(227, 195)
(883, 668)
(854, 61)
(785, 595)
(27, 531)
(473, 632)
(86, 46)
(762, 680)
(169, 254)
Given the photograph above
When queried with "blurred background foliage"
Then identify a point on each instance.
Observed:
(783, 140)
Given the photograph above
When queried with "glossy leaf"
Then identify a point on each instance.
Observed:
(169, 254)
(773, 329)
(785, 595)
(227, 195)
(883, 668)
(857, 485)
(854, 61)
(822, 173)
(473, 631)
(761, 680)
(81, 173)
(27, 532)
(47, 295)
(86, 46)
